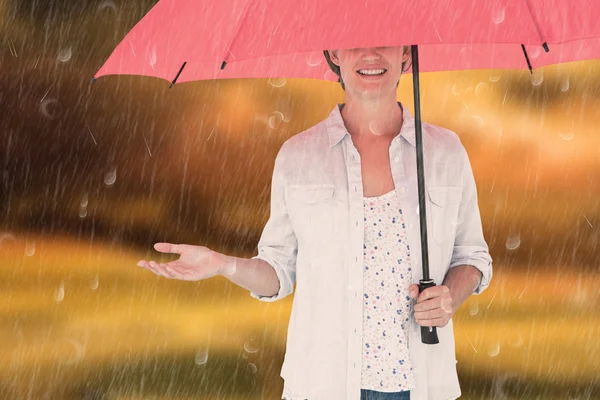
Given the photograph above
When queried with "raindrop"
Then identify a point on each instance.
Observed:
(277, 82)
(480, 89)
(110, 177)
(455, 90)
(65, 55)
(474, 308)
(581, 298)
(513, 242)
(494, 350)
(202, 356)
(108, 4)
(7, 236)
(251, 346)
(375, 128)
(94, 283)
(252, 368)
(566, 135)
(276, 121)
(79, 351)
(498, 16)
(537, 78)
(518, 342)
(59, 293)
(29, 248)
(45, 105)
(283, 117)
(82, 212)
(564, 85)
(231, 268)
(315, 58)
(535, 52)
(478, 120)
(494, 78)
(499, 382)
(84, 200)
(330, 76)
(152, 57)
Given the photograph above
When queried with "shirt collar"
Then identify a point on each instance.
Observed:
(337, 130)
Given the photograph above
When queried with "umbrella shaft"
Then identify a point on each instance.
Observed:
(420, 168)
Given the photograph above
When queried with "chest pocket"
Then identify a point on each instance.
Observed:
(310, 208)
(310, 194)
(443, 205)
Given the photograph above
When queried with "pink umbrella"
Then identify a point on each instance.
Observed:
(188, 40)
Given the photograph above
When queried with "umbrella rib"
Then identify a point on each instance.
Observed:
(527, 58)
(241, 22)
(177, 76)
(537, 26)
(539, 30)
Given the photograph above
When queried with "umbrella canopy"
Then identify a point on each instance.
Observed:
(272, 38)
(187, 40)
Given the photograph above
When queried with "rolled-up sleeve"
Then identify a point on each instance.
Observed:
(470, 247)
(278, 245)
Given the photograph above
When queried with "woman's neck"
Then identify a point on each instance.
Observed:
(363, 119)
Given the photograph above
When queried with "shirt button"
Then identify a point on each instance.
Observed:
(402, 189)
(397, 159)
(411, 226)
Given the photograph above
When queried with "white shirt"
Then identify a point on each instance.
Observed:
(315, 238)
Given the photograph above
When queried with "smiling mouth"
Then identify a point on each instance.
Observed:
(379, 72)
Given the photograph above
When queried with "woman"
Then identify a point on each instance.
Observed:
(344, 228)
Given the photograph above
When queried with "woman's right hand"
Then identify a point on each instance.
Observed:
(195, 262)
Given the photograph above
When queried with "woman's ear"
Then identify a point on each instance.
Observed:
(407, 53)
(333, 54)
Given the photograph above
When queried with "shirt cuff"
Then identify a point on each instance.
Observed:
(280, 275)
(485, 266)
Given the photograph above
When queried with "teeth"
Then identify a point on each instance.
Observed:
(371, 71)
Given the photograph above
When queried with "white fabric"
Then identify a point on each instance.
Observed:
(314, 238)
(387, 274)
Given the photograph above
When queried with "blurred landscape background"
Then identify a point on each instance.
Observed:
(91, 176)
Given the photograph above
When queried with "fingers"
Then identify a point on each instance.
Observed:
(433, 322)
(166, 270)
(432, 292)
(430, 304)
(158, 269)
(179, 273)
(168, 248)
(413, 291)
(430, 314)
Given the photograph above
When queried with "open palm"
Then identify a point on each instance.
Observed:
(195, 262)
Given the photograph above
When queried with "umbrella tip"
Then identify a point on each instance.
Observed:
(93, 80)
(545, 46)
(223, 65)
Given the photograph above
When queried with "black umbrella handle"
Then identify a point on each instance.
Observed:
(428, 333)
